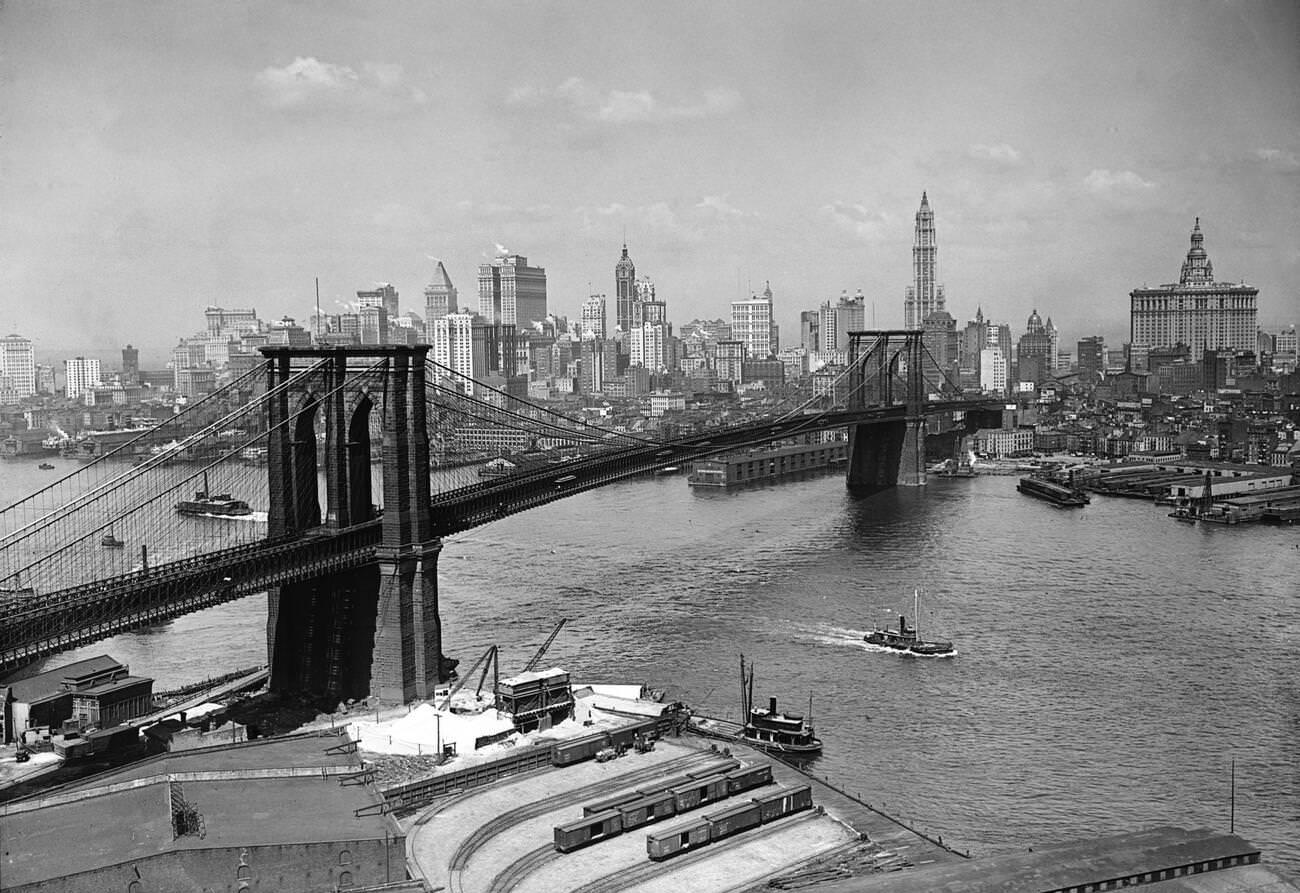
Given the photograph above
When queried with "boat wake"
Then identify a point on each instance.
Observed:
(910, 655)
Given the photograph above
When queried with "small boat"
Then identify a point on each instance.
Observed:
(768, 729)
(111, 542)
(1057, 494)
(906, 638)
(220, 505)
(667, 469)
(1184, 514)
(45, 466)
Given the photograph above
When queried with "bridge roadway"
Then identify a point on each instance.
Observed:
(42, 624)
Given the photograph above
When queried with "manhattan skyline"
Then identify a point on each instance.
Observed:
(157, 159)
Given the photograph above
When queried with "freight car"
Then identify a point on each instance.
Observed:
(588, 830)
(648, 809)
(566, 753)
(726, 822)
(747, 778)
(699, 791)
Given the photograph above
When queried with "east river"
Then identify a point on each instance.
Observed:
(1111, 665)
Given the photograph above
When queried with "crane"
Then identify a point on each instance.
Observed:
(541, 652)
(488, 659)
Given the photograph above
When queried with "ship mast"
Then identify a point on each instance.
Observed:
(916, 613)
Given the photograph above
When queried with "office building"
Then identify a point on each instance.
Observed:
(81, 375)
(593, 317)
(923, 296)
(384, 295)
(374, 324)
(18, 365)
(1091, 358)
(510, 292)
(226, 324)
(1196, 310)
(130, 365)
(624, 291)
(440, 296)
(452, 337)
(751, 324)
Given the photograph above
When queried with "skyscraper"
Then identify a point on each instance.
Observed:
(384, 296)
(1195, 311)
(751, 324)
(593, 317)
(624, 291)
(82, 374)
(923, 296)
(130, 365)
(18, 364)
(511, 292)
(440, 297)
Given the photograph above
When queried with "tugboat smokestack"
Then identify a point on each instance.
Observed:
(771, 706)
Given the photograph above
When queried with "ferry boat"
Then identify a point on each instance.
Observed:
(220, 505)
(111, 542)
(1057, 494)
(906, 638)
(768, 729)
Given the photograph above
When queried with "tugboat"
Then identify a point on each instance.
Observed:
(784, 734)
(111, 542)
(220, 505)
(906, 638)
(45, 466)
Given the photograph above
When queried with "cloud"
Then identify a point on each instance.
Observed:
(719, 206)
(1279, 160)
(307, 82)
(1116, 184)
(624, 106)
(1001, 154)
(868, 225)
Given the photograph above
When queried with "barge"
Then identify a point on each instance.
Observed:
(1057, 494)
(767, 463)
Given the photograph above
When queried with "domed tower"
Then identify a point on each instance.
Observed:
(1035, 324)
(1197, 268)
(624, 291)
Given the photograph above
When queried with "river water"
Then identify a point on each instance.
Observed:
(1111, 664)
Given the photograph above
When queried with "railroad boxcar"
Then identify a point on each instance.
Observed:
(733, 820)
(700, 791)
(748, 778)
(645, 810)
(783, 802)
(598, 806)
(666, 784)
(588, 830)
(625, 736)
(668, 843)
(566, 753)
(721, 768)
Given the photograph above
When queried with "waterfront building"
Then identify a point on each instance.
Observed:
(98, 692)
(751, 324)
(924, 296)
(383, 295)
(80, 375)
(440, 296)
(18, 365)
(1196, 310)
(624, 291)
(511, 292)
(593, 317)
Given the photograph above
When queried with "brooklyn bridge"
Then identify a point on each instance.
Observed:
(399, 442)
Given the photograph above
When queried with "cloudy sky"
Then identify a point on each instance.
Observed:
(158, 157)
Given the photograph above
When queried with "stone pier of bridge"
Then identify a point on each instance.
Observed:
(886, 368)
(376, 631)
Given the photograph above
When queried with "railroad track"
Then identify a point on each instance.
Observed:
(628, 877)
(516, 871)
(461, 856)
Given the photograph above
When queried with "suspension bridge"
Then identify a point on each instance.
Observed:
(399, 443)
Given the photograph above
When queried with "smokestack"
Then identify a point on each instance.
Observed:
(771, 706)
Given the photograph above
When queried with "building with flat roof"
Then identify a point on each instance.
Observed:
(511, 292)
(99, 692)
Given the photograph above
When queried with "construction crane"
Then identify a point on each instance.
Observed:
(489, 660)
(541, 652)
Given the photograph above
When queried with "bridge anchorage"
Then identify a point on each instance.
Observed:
(372, 630)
